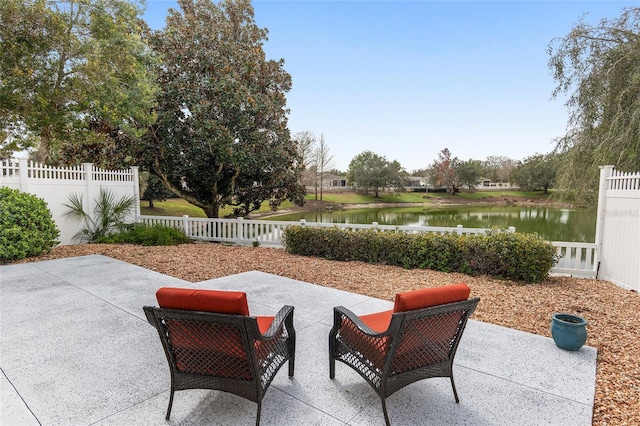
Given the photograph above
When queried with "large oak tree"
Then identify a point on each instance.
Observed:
(73, 72)
(221, 137)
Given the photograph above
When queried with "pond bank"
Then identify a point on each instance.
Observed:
(435, 202)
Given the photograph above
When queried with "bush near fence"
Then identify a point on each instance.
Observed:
(26, 226)
(520, 257)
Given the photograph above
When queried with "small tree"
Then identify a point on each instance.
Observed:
(155, 190)
(469, 173)
(444, 171)
(323, 162)
(498, 167)
(536, 173)
(109, 215)
(368, 170)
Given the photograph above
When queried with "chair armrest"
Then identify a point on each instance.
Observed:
(284, 316)
(341, 311)
(148, 311)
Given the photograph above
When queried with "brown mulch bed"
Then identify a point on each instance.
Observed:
(613, 313)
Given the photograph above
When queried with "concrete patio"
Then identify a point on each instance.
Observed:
(76, 349)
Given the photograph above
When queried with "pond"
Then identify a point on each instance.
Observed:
(553, 224)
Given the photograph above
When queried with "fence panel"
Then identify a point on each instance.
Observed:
(619, 237)
(55, 184)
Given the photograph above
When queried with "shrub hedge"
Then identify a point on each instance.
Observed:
(498, 253)
(147, 235)
(26, 225)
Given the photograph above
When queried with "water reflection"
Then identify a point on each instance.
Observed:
(554, 224)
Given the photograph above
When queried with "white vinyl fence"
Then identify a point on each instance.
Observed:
(55, 184)
(614, 256)
(618, 229)
(577, 259)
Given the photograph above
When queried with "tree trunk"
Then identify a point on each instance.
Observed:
(212, 211)
(42, 153)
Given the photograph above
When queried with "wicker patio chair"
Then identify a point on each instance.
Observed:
(416, 340)
(211, 342)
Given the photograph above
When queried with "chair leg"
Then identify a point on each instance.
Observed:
(332, 367)
(258, 414)
(292, 362)
(332, 360)
(455, 393)
(170, 404)
(384, 410)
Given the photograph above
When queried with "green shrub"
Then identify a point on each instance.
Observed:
(108, 216)
(26, 226)
(147, 235)
(498, 253)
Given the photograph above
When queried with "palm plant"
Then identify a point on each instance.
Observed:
(108, 217)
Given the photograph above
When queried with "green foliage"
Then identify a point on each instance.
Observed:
(469, 173)
(521, 257)
(26, 226)
(75, 72)
(599, 65)
(109, 215)
(537, 172)
(155, 191)
(369, 171)
(147, 235)
(221, 137)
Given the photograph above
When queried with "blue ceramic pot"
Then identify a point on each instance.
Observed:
(569, 331)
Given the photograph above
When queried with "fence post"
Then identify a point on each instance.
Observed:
(240, 233)
(136, 190)
(512, 229)
(185, 225)
(459, 229)
(605, 172)
(88, 178)
(24, 174)
(302, 222)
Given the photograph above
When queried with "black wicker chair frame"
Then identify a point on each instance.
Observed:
(224, 352)
(419, 344)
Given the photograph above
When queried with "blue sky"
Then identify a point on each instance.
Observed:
(406, 79)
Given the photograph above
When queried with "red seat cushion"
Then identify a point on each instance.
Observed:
(378, 322)
(219, 301)
(424, 340)
(264, 323)
(427, 297)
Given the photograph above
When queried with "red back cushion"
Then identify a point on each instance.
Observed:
(427, 297)
(219, 301)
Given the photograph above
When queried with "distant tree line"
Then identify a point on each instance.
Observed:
(199, 107)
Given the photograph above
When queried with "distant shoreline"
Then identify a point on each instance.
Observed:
(325, 206)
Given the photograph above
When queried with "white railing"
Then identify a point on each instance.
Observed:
(269, 232)
(621, 181)
(577, 259)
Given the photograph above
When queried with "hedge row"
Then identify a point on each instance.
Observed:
(498, 253)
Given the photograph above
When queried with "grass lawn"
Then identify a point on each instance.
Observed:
(179, 207)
